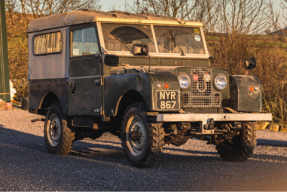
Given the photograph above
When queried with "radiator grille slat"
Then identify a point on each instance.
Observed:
(202, 94)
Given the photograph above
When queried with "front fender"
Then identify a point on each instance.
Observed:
(144, 83)
(242, 99)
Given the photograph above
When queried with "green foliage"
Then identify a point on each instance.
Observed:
(18, 49)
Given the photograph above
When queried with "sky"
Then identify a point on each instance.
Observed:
(107, 5)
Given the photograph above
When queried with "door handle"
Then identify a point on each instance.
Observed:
(73, 90)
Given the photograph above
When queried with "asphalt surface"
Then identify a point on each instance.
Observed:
(100, 164)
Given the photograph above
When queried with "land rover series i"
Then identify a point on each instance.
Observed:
(143, 77)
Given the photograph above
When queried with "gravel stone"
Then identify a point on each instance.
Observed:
(100, 164)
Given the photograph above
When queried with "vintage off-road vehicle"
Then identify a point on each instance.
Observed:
(145, 78)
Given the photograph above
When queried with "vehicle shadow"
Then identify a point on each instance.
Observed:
(101, 149)
(275, 143)
(110, 151)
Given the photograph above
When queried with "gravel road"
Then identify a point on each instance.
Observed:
(100, 164)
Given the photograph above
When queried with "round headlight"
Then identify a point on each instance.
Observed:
(184, 80)
(220, 82)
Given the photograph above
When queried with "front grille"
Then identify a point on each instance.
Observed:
(200, 87)
(202, 94)
(201, 101)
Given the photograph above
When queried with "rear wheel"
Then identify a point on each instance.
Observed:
(142, 140)
(57, 131)
(241, 146)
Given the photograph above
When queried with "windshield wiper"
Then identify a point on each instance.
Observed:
(121, 41)
(182, 53)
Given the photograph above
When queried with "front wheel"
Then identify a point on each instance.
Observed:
(241, 147)
(142, 140)
(57, 131)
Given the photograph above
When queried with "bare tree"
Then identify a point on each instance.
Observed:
(226, 16)
(205, 11)
(39, 8)
(242, 17)
(172, 8)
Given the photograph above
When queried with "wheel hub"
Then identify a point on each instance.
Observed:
(54, 130)
(136, 135)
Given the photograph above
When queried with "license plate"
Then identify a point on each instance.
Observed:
(168, 99)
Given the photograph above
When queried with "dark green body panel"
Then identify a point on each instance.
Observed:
(4, 65)
(241, 98)
(85, 90)
(111, 61)
(39, 90)
(85, 66)
(86, 98)
(144, 83)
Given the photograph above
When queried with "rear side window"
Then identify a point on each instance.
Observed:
(48, 43)
(84, 42)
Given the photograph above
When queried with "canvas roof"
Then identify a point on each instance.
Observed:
(87, 16)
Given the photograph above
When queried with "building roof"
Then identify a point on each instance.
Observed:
(87, 16)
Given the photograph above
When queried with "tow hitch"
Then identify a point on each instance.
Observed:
(208, 127)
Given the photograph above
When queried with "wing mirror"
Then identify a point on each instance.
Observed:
(250, 63)
(140, 49)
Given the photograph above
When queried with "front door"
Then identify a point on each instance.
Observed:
(85, 71)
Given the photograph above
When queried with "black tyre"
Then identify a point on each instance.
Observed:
(142, 140)
(241, 147)
(57, 131)
(180, 140)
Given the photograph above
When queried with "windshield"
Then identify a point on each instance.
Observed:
(183, 40)
(169, 39)
(121, 37)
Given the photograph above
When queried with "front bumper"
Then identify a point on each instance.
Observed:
(219, 117)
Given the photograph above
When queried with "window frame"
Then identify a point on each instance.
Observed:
(157, 54)
(127, 52)
(52, 53)
(179, 54)
(81, 27)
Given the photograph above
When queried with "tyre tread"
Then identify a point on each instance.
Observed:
(245, 148)
(68, 134)
(156, 137)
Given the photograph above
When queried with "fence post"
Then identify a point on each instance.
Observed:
(4, 65)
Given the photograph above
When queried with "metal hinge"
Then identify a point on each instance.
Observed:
(99, 81)
(98, 110)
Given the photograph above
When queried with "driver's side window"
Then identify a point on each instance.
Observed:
(84, 42)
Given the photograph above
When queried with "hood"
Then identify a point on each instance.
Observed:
(143, 69)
